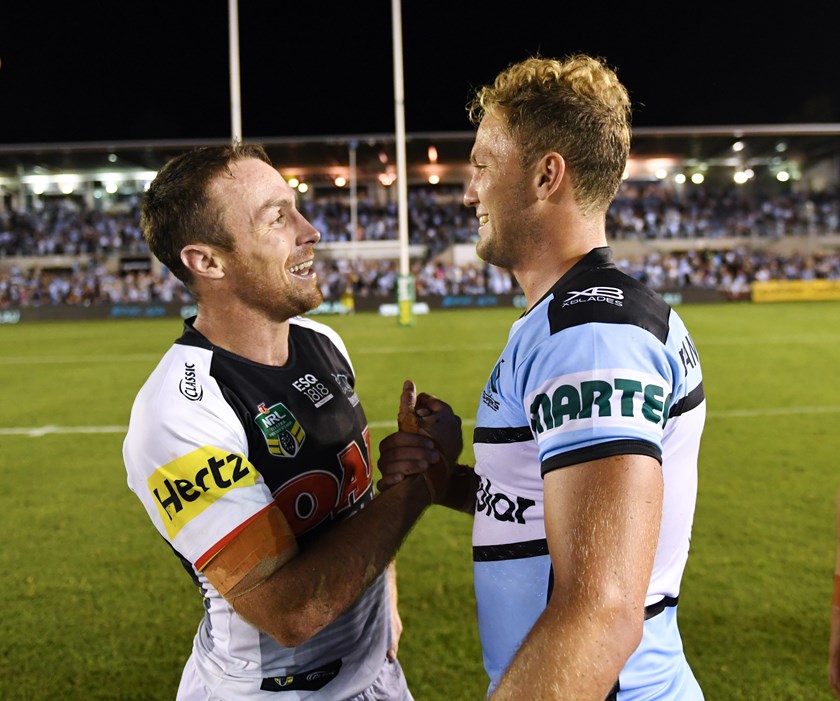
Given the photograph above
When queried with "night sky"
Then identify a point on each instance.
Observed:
(158, 70)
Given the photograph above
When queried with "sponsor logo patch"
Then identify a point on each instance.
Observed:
(189, 386)
(573, 400)
(344, 385)
(312, 388)
(283, 434)
(501, 506)
(493, 383)
(303, 681)
(609, 295)
(185, 487)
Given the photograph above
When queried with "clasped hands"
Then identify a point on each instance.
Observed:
(428, 442)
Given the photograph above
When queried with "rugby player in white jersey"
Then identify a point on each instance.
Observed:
(588, 429)
(249, 450)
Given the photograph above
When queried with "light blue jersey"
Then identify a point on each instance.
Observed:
(601, 366)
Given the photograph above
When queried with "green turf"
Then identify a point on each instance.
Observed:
(96, 607)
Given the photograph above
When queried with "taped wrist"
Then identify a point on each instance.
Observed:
(262, 546)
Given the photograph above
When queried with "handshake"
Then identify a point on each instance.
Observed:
(428, 442)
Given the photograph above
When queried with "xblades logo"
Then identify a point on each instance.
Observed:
(610, 295)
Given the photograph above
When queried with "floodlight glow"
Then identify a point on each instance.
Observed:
(434, 179)
(303, 187)
(740, 177)
(679, 178)
(340, 181)
(738, 146)
(661, 174)
(293, 182)
(697, 178)
(782, 176)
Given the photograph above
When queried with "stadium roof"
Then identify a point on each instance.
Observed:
(321, 159)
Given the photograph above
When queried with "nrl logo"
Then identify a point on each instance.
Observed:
(283, 434)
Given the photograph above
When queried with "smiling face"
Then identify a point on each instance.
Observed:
(270, 267)
(501, 193)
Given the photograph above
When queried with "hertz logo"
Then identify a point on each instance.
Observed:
(185, 487)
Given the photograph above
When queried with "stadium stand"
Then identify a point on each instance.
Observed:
(70, 235)
(65, 253)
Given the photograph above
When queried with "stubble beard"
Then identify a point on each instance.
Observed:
(499, 250)
(279, 298)
(296, 302)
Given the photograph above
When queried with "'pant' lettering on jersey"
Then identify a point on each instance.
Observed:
(499, 505)
(599, 398)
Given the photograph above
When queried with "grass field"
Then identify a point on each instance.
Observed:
(95, 607)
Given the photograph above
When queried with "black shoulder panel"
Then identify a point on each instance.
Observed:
(606, 295)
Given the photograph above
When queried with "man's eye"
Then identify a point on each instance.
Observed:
(281, 217)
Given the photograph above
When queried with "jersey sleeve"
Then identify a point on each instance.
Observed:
(186, 458)
(596, 390)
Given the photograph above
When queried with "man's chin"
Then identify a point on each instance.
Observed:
(485, 251)
(313, 301)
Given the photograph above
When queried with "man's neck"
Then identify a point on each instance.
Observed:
(245, 333)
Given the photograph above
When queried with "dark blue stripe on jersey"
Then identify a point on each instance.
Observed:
(650, 612)
(599, 451)
(640, 306)
(660, 606)
(502, 435)
(688, 402)
(510, 551)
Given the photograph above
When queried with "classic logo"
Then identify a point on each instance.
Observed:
(345, 386)
(185, 487)
(586, 399)
(188, 386)
(283, 434)
(610, 295)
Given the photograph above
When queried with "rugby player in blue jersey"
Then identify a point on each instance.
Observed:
(588, 429)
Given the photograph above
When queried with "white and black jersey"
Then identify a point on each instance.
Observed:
(600, 366)
(214, 439)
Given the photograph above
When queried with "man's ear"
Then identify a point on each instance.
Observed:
(550, 173)
(203, 261)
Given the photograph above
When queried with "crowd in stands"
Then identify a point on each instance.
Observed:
(438, 219)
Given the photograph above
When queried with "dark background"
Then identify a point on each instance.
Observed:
(152, 70)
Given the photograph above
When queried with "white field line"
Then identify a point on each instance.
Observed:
(830, 339)
(39, 431)
(153, 358)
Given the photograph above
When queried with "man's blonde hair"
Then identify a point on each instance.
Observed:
(575, 106)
